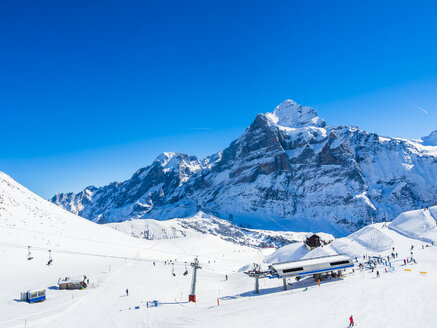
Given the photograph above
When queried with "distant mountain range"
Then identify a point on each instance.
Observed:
(288, 170)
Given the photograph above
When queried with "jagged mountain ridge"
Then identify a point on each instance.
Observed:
(288, 170)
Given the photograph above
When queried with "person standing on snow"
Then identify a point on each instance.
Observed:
(377, 274)
(127, 292)
(351, 321)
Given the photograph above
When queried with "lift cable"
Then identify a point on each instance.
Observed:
(63, 251)
(117, 244)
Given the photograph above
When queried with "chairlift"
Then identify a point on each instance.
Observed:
(29, 254)
(50, 258)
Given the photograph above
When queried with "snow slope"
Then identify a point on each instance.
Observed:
(398, 299)
(202, 223)
(419, 224)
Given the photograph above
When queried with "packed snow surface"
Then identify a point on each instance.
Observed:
(419, 224)
(115, 261)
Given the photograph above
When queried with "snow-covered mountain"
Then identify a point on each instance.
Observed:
(430, 140)
(27, 219)
(208, 224)
(289, 170)
(114, 261)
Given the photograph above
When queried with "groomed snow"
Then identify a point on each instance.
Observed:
(114, 261)
(420, 224)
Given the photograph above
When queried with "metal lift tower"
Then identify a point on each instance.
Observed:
(256, 273)
(195, 265)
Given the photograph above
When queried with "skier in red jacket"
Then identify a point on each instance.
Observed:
(351, 321)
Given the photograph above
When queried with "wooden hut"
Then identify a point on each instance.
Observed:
(71, 283)
(313, 241)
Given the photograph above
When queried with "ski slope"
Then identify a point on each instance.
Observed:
(115, 261)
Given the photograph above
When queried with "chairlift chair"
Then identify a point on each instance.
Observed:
(29, 254)
(50, 258)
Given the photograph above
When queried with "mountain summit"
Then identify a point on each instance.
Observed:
(430, 140)
(288, 170)
(292, 115)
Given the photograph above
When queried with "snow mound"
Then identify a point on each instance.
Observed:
(372, 239)
(319, 252)
(344, 247)
(292, 115)
(292, 252)
(418, 224)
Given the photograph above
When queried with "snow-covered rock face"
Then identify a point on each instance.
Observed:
(146, 189)
(430, 140)
(287, 171)
(292, 115)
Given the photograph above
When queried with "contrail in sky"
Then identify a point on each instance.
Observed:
(423, 110)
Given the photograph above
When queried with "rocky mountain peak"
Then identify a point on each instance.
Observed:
(293, 115)
(430, 140)
(286, 171)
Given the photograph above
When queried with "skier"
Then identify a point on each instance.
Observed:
(226, 277)
(351, 321)
(377, 274)
(127, 292)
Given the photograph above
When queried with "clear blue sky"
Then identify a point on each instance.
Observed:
(90, 91)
